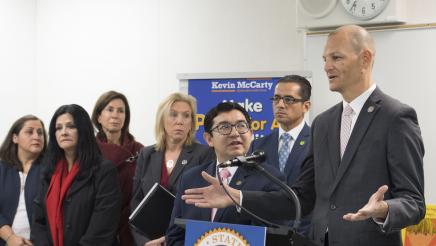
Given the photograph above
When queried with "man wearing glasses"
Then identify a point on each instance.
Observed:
(227, 130)
(286, 147)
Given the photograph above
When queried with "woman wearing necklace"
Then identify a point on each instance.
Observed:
(111, 117)
(79, 202)
(175, 151)
(20, 156)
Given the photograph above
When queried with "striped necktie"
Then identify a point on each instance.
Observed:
(347, 117)
(284, 150)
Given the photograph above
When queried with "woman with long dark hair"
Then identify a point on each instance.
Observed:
(20, 158)
(80, 198)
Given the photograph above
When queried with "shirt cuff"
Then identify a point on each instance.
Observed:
(238, 208)
(382, 222)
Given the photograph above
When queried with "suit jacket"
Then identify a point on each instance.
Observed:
(385, 147)
(92, 209)
(244, 179)
(149, 170)
(270, 144)
(10, 192)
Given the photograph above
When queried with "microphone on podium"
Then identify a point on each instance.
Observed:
(255, 157)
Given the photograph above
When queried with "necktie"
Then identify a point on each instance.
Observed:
(284, 150)
(347, 116)
(225, 175)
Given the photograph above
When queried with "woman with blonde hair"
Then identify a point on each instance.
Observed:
(175, 151)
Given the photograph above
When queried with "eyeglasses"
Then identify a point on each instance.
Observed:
(286, 99)
(225, 128)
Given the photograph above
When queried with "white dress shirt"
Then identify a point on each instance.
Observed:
(357, 104)
(20, 225)
(232, 171)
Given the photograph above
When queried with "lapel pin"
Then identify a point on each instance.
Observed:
(370, 109)
(239, 182)
(302, 142)
(184, 162)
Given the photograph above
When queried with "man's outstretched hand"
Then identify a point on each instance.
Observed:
(212, 196)
(376, 207)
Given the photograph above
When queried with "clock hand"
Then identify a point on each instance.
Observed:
(353, 6)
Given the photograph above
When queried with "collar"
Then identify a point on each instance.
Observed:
(232, 170)
(358, 102)
(294, 132)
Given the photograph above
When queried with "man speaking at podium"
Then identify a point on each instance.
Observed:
(227, 130)
(363, 176)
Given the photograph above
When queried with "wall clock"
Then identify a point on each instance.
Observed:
(364, 9)
(317, 8)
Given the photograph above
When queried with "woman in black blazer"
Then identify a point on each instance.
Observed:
(175, 151)
(80, 198)
(20, 156)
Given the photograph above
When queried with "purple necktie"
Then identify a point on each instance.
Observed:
(225, 175)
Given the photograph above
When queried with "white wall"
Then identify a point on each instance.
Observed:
(421, 11)
(86, 47)
(17, 61)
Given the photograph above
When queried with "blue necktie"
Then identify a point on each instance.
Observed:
(284, 150)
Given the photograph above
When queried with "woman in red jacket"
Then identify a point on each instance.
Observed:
(111, 117)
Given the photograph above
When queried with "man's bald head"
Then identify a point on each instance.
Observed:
(349, 58)
(359, 37)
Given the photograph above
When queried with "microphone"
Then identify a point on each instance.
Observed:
(255, 157)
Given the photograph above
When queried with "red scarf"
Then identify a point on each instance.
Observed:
(59, 185)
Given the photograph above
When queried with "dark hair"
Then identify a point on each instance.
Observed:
(220, 108)
(88, 154)
(9, 150)
(305, 87)
(101, 103)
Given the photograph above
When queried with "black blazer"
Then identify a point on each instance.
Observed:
(10, 192)
(92, 209)
(385, 147)
(243, 179)
(149, 170)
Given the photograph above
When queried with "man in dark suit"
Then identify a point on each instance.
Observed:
(368, 142)
(227, 130)
(286, 147)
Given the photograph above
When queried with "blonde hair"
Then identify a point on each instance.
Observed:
(164, 109)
